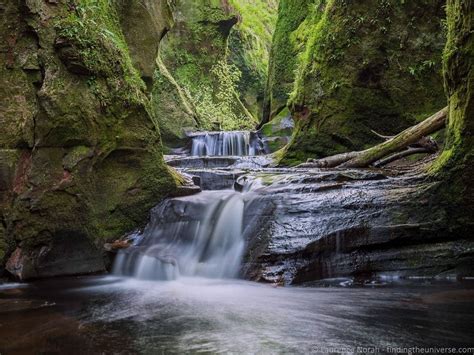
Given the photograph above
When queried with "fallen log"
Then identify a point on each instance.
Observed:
(409, 136)
(329, 162)
(415, 136)
(399, 155)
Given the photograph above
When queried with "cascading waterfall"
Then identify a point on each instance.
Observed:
(199, 235)
(236, 143)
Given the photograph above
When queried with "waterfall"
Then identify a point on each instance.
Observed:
(236, 143)
(199, 235)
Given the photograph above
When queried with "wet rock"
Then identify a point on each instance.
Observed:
(65, 255)
(202, 162)
(186, 190)
(215, 179)
(330, 223)
(116, 245)
(220, 162)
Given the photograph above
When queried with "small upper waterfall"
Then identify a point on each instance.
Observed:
(237, 143)
(199, 235)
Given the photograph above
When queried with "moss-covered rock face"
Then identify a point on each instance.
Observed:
(249, 49)
(455, 166)
(371, 64)
(212, 66)
(80, 154)
(193, 71)
(286, 45)
(276, 134)
(143, 24)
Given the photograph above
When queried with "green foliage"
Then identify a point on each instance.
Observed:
(289, 39)
(363, 65)
(257, 22)
(94, 29)
(216, 105)
(249, 48)
(196, 59)
(423, 68)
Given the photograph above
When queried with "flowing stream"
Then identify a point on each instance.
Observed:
(198, 235)
(234, 143)
(178, 288)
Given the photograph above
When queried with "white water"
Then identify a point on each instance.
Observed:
(199, 235)
(235, 143)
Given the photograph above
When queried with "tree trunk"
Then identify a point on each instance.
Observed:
(410, 136)
(399, 155)
(404, 139)
(329, 162)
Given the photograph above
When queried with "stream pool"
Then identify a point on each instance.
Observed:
(111, 315)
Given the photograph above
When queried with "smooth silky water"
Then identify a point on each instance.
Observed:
(89, 315)
(176, 290)
(198, 235)
(233, 143)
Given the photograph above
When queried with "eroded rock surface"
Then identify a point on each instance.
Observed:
(325, 224)
(80, 153)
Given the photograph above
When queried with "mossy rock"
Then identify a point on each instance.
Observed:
(143, 23)
(211, 44)
(366, 65)
(286, 45)
(455, 166)
(249, 49)
(97, 165)
(276, 134)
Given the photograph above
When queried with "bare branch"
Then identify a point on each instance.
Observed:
(402, 154)
(381, 136)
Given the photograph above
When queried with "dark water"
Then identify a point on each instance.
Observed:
(90, 315)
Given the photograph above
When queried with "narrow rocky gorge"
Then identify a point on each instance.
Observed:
(87, 94)
(236, 176)
(294, 225)
(111, 109)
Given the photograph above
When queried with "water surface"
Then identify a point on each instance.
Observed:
(194, 315)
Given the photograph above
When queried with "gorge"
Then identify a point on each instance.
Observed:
(164, 164)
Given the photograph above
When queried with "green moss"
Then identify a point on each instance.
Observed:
(195, 69)
(76, 155)
(171, 106)
(454, 167)
(285, 47)
(143, 23)
(365, 65)
(93, 29)
(249, 48)
(276, 127)
(278, 131)
(212, 66)
(97, 166)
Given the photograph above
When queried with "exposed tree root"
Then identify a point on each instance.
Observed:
(414, 138)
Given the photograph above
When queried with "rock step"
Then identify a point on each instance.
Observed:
(215, 179)
(242, 162)
(201, 162)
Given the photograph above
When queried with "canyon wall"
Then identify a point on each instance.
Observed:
(356, 67)
(80, 152)
(212, 66)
